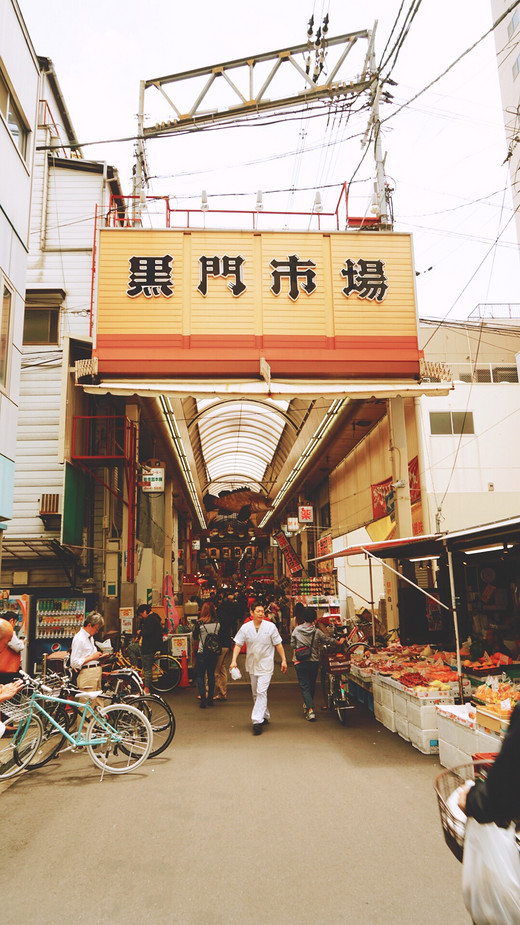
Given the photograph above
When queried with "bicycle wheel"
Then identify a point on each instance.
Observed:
(342, 704)
(123, 681)
(120, 755)
(330, 692)
(161, 719)
(17, 750)
(167, 673)
(52, 739)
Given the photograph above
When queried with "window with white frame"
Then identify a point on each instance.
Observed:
(451, 422)
(516, 68)
(13, 117)
(5, 326)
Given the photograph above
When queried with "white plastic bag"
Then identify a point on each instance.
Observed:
(491, 874)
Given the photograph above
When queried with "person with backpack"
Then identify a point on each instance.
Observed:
(206, 632)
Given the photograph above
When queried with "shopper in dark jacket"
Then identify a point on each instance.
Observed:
(151, 635)
(497, 799)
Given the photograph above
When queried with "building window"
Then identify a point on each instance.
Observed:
(40, 326)
(516, 68)
(42, 316)
(5, 324)
(451, 422)
(325, 515)
(512, 24)
(13, 117)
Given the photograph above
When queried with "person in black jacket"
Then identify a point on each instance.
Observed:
(497, 799)
(227, 615)
(151, 636)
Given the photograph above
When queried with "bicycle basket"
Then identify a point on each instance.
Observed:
(18, 708)
(337, 662)
(445, 786)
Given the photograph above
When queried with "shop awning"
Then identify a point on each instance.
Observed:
(435, 544)
(402, 548)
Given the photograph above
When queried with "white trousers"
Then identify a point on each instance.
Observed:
(259, 687)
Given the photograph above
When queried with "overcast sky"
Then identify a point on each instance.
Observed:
(445, 151)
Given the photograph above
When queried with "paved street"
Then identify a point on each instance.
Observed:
(307, 823)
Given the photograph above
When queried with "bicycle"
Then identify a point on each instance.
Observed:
(337, 664)
(117, 737)
(157, 711)
(166, 672)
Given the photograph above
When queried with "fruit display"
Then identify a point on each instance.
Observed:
(498, 696)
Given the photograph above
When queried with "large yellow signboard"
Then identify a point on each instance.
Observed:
(212, 303)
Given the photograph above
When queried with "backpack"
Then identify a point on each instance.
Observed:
(212, 645)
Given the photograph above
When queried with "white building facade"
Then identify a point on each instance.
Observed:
(19, 93)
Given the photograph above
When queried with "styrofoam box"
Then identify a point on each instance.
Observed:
(385, 694)
(401, 726)
(384, 716)
(487, 742)
(426, 740)
(422, 714)
(400, 703)
(447, 730)
(450, 756)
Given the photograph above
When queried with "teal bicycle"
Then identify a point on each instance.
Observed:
(118, 737)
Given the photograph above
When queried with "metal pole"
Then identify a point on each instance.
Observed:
(372, 603)
(455, 624)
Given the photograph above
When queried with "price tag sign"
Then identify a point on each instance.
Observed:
(505, 706)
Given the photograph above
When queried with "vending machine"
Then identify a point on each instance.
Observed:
(53, 625)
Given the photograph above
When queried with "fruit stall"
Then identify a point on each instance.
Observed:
(414, 691)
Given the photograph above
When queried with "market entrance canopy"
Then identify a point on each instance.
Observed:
(232, 304)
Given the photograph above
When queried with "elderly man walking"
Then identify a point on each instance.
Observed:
(262, 639)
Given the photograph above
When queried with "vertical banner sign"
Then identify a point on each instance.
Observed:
(324, 548)
(383, 493)
(291, 557)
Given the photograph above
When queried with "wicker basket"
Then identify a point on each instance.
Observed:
(445, 784)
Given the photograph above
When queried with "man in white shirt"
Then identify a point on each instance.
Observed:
(261, 638)
(84, 656)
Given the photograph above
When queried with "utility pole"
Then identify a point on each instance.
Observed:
(375, 123)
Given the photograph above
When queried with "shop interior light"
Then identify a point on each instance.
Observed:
(425, 558)
(501, 547)
(181, 456)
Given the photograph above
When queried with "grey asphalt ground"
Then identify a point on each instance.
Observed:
(307, 823)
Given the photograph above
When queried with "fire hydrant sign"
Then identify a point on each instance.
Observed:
(153, 480)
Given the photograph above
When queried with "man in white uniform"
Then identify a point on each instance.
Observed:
(261, 638)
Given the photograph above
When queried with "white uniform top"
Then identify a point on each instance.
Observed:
(82, 645)
(261, 644)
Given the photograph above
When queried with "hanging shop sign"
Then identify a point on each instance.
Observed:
(305, 514)
(292, 524)
(291, 557)
(221, 303)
